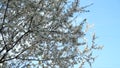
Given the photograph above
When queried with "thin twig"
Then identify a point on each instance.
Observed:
(3, 24)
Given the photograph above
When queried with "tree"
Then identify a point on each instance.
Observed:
(43, 31)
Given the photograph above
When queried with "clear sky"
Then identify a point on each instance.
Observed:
(105, 15)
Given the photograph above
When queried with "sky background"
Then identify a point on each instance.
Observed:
(105, 15)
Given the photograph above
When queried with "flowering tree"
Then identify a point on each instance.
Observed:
(41, 33)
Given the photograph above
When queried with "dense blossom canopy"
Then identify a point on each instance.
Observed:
(40, 33)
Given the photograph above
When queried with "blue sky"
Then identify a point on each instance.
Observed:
(105, 15)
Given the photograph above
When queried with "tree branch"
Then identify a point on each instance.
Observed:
(65, 58)
(13, 45)
(3, 24)
(4, 15)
